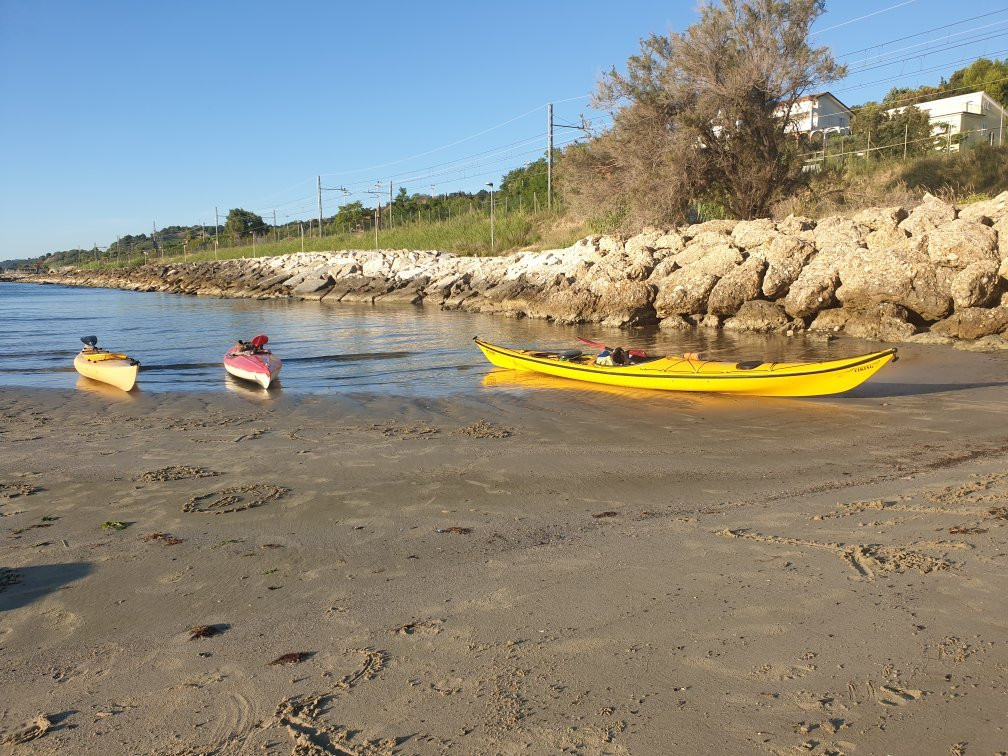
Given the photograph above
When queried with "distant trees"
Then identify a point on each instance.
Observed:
(351, 216)
(704, 116)
(888, 132)
(989, 75)
(241, 223)
(985, 74)
(525, 186)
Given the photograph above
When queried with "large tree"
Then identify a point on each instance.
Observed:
(704, 116)
(244, 222)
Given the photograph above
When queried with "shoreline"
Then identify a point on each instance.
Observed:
(560, 569)
(935, 273)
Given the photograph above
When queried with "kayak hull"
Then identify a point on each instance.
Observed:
(259, 367)
(117, 370)
(689, 373)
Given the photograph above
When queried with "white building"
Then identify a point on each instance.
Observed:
(820, 114)
(976, 116)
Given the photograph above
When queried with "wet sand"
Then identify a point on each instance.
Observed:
(535, 568)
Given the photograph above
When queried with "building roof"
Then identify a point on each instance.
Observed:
(817, 95)
(929, 104)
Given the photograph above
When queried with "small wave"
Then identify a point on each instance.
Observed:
(350, 357)
(25, 370)
(152, 368)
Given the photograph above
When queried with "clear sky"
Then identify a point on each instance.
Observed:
(120, 115)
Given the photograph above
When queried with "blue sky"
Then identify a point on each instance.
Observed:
(119, 115)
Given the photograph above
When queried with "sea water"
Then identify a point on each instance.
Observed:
(399, 349)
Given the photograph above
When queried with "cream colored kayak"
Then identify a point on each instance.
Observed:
(118, 370)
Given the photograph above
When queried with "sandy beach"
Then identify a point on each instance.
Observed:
(538, 568)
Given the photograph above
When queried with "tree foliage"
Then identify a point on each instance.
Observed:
(704, 116)
(244, 223)
(872, 126)
(985, 74)
(352, 216)
(526, 185)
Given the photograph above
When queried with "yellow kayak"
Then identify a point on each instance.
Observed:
(691, 372)
(118, 370)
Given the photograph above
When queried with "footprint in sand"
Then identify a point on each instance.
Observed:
(483, 429)
(406, 432)
(865, 559)
(175, 472)
(892, 695)
(303, 718)
(234, 499)
(13, 490)
(427, 627)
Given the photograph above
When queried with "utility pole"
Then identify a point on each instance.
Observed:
(276, 232)
(906, 133)
(319, 207)
(390, 203)
(490, 184)
(216, 230)
(549, 157)
(301, 226)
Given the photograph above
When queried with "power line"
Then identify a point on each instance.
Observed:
(925, 53)
(919, 34)
(862, 18)
(921, 71)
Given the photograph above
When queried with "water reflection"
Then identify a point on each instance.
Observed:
(252, 391)
(106, 390)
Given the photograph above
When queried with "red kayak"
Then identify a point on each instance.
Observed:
(251, 361)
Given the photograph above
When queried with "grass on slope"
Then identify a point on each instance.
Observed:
(467, 234)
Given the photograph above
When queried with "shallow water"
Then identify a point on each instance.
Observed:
(346, 348)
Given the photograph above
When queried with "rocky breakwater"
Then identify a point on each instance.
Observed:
(933, 273)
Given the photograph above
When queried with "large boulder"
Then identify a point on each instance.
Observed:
(739, 285)
(668, 244)
(976, 285)
(927, 216)
(716, 259)
(960, 243)
(795, 224)
(902, 275)
(315, 287)
(838, 235)
(1001, 227)
(883, 322)
(685, 292)
(885, 237)
(623, 303)
(973, 323)
(758, 316)
(754, 233)
(878, 218)
(714, 226)
(815, 288)
(830, 320)
(987, 212)
(785, 257)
